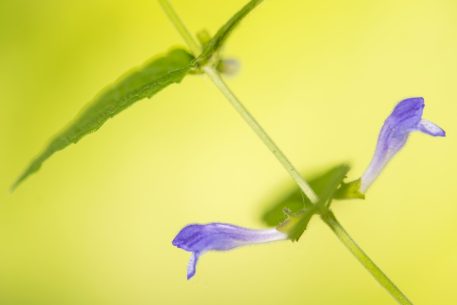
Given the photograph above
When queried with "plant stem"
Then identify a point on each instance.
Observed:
(330, 219)
(183, 31)
(327, 215)
(251, 121)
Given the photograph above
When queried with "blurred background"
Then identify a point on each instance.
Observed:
(95, 225)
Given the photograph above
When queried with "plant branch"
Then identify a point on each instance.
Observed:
(249, 119)
(327, 215)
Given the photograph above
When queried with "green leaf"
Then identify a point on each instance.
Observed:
(292, 201)
(324, 184)
(222, 34)
(327, 184)
(296, 223)
(350, 190)
(136, 85)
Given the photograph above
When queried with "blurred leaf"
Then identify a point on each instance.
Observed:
(350, 190)
(222, 34)
(324, 184)
(293, 201)
(296, 223)
(327, 184)
(203, 37)
(134, 86)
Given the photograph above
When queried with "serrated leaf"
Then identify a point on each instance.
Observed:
(350, 190)
(136, 85)
(296, 223)
(324, 184)
(222, 34)
(327, 184)
(293, 200)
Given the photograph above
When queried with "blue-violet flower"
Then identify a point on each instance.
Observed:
(200, 238)
(405, 118)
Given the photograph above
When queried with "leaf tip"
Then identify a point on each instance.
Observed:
(19, 181)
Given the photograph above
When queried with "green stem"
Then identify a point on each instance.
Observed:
(183, 31)
(251, 121)
(363, 258)
(328, 216)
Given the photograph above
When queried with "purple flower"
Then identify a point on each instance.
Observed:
(405, 118)
(198, 239)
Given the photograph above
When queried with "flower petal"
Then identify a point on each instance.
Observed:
(405, 118)
(430, 128)
(221, 237)
(200, 238)
(192, 265)
(407, 113)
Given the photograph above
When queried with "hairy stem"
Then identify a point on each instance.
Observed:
(327, 216)
(363, 258)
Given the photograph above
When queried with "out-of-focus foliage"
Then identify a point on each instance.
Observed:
(134, 86)
(350, 190)
(142, 83)
(216, 42)
(324, 184)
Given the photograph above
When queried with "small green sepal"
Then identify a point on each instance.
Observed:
(350, 190)
(203, 37)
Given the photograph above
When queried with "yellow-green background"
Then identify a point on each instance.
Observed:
(95, 225)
